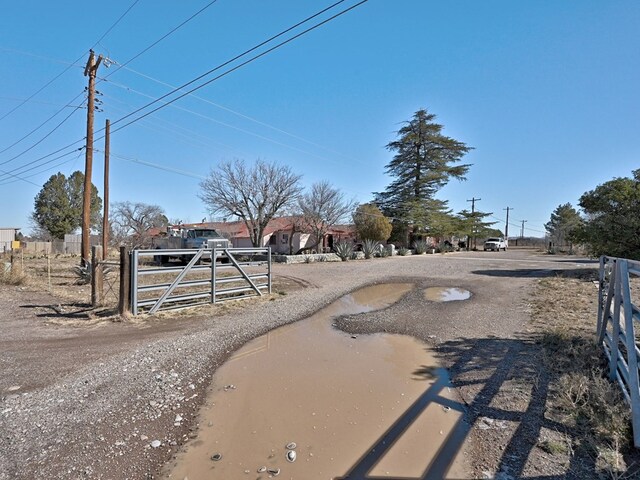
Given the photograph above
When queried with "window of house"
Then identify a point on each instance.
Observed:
(285, 238)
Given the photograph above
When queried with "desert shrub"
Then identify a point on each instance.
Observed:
(83, 273)
(403, 251)
(11, 275)
(445, 247)
(344, 250)
(370, 248)
(420, 246)
(383, 251)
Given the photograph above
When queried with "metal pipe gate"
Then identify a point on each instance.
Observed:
(617, 317)
(233, 273)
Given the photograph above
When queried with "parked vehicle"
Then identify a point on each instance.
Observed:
(495, 244)
(191, 238)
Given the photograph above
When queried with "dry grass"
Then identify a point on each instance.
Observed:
(12, 275)
(583, 398)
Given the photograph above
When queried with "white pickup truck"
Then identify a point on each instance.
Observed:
(495, 244)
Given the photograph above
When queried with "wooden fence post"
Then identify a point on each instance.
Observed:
(97, 277)
(124, 304)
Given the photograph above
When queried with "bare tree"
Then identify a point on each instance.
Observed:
(255, 194)
(322, 207)
(131, 222)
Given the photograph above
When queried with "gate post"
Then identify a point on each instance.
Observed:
(124, 303)
(97, 269)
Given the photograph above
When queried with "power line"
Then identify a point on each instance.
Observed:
(40, 126)
(41, 140)
(115, 23)
(158, 166)
(24, 177)
(69, 66)
(228, 71)
(248, 132)
(242, 115)
(222, 65)
(2, 172)
(172, 31)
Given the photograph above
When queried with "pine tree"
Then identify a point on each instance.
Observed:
(424, 161)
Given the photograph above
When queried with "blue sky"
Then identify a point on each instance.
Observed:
(545, 91)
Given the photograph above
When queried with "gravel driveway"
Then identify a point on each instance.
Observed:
(94, 401)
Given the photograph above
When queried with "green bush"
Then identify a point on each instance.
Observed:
(403, 251)
(344, 250)
(383, 251)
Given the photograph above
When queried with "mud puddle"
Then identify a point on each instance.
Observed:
(352, 405)
(446, 294)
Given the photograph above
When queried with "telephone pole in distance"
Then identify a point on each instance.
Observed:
(473, 218)
(506, 225)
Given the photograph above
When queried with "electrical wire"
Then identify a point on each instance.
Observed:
(24, 177)
(246, 52)
(39, 141)
(115, 23)
(226, 72)
(21, 177)
(246, 117)
(171, 32)
(24, 137)
(38, 165)
(248, 132)
(158, 166)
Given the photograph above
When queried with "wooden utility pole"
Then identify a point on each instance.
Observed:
(522, 231)
(105, 193)
(473, 219)
(506, 225)
(89, 71)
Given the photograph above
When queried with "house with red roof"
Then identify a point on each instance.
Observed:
(284, 235)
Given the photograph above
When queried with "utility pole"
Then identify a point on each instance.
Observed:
(90, 70)
(105, 194)
(506, 225)
(473, 219)
(522, 230)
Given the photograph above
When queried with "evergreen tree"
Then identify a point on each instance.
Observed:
(474, 226)
(424, 161)
(563, 225)
(612, 224)
(58, 205)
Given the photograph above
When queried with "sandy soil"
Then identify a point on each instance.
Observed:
(89, 397)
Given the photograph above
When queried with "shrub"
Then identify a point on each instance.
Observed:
(383, 251)
(344, 250)
(370, 248)
(82, 273)
(11, 275)
(403, 251)
(445, 247)
(420, 246)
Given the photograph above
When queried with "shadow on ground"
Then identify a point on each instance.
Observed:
(75, 311)
(506, 391)
(538, 273)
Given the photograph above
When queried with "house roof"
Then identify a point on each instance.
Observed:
(238, 229)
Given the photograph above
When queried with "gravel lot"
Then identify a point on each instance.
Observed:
(104, 399)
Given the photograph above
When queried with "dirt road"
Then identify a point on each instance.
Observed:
(101, 399)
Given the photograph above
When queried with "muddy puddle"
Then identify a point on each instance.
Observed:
(348, 406)
(446, 294)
